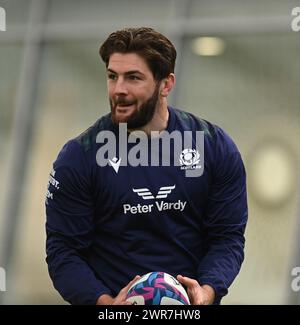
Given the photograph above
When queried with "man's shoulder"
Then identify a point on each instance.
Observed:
(214, 134)
(76, 150)
(193, 122)
(88, 138)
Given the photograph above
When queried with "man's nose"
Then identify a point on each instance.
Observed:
(120, 87)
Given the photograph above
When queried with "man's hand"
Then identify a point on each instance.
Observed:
(199, 295)
(120, 298)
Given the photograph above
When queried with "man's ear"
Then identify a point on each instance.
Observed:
(167, 84)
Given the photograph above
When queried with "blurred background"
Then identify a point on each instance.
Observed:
(238, 67)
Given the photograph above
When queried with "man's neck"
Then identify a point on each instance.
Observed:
(159, 121)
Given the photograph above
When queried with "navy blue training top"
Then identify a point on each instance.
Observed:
(107, 224)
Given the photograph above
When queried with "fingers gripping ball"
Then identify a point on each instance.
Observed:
(157, 288)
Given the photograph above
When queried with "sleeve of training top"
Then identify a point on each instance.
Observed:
(69, 227)
(225, 218)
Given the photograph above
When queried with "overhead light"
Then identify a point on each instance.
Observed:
(272, 173)
(208, 46)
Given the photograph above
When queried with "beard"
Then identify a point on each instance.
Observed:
(142, 115)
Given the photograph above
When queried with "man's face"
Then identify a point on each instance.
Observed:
(133, 92)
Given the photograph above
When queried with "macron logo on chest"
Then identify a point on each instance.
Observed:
(146, 194)
(115, 163)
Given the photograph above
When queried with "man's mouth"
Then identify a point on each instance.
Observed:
(124, 106)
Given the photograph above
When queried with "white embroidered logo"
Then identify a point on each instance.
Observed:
(147, 195)
(115, 163)
(189, 159)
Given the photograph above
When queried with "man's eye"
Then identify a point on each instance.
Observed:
(112, 76)
(134, 78)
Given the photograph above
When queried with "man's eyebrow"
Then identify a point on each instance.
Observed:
(127, 72)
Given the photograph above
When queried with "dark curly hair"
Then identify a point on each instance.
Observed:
(155, 48)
